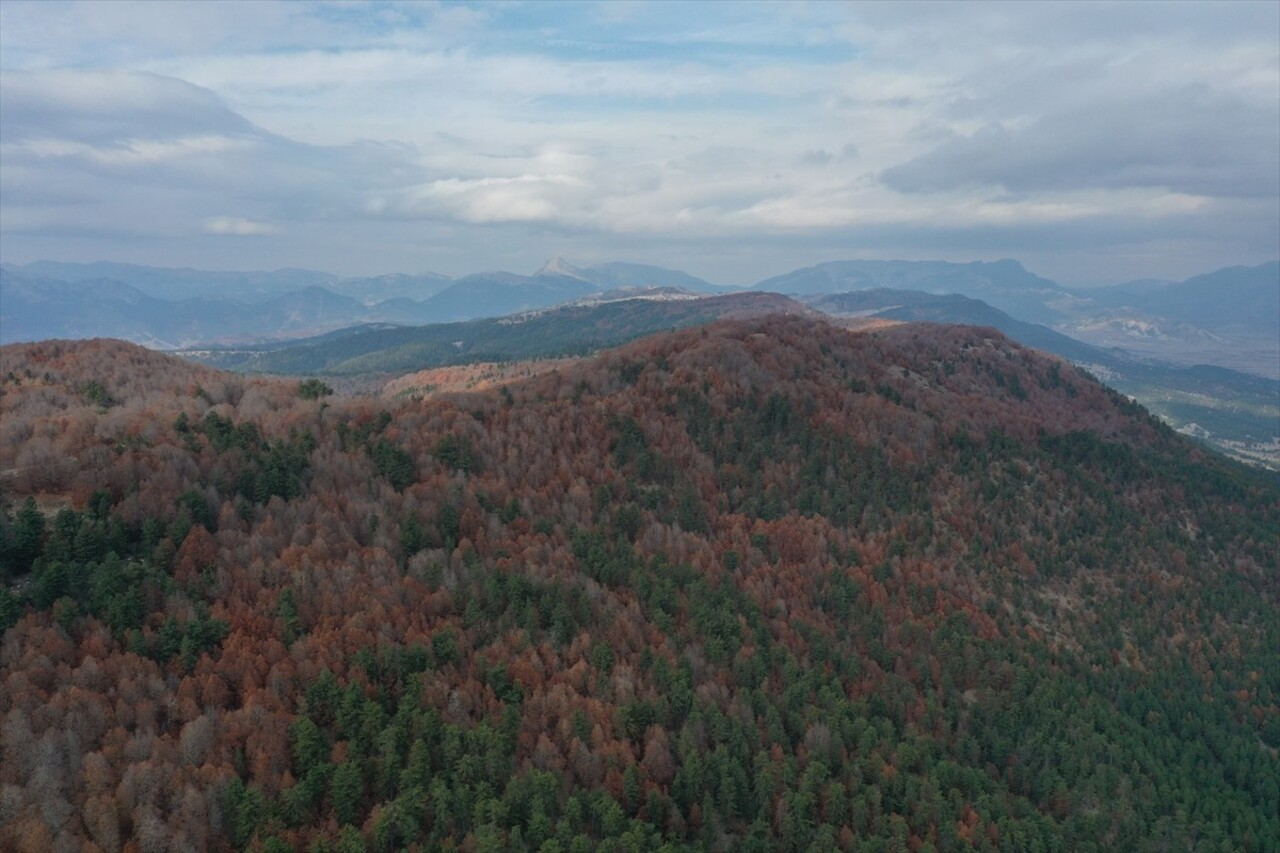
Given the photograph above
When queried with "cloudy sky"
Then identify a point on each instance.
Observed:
(1094, 142)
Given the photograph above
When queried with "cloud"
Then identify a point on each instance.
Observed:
(1188, 140)
(125, 33)
(107, 106)
(132, 152)
(168, 158)
(412, 136)
(525, 198)
(238, 227)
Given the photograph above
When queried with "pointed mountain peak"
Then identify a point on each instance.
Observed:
(558, 266)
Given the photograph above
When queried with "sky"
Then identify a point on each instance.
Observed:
(1094, 142)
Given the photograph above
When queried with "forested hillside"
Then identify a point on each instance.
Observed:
(767, 584)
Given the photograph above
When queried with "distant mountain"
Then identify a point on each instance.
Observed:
(558, 267)
(1004, 284)
(372, 290)
(494, 294)
(640, 275)
(171, 308)
(574, 329)
(38, 308)
(312, 308)
(252, 287)
(184, 283)
(617, 274)
(497, 294)
(1230, 318)
(1237, 297)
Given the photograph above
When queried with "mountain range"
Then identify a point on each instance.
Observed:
(171, 308)
(1230, 317)
(1232, 298)
(1190, 350)
(1002, 284)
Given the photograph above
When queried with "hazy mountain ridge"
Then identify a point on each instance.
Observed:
(1234, 297)
(247, 305)
(572, 329)
(43, 308)
(1204, 317)
(496, 294)
(1004, 284)
(172, 283)
(1229, 318)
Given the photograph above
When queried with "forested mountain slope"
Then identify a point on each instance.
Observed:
(761, 585)
(1237, 412)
